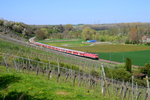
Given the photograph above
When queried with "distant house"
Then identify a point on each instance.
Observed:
(145, 39)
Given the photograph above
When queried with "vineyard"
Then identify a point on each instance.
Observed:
(74, 74)
(104, 88)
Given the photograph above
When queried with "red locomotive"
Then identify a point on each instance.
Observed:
(64, 50)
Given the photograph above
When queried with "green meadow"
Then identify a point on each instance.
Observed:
(65, 42)
(139, 54)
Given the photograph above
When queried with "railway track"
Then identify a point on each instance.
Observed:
(101, 60)
(61, 53)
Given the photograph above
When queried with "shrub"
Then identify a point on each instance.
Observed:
(75, 67)
(127, 42)
(122, 75)
(140, 82)
(37, 59)
(128, 65)
(53, 63)
(118, 74)
(146, 69)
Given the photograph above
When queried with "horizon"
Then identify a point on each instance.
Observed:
(81, 24)
(63, 12)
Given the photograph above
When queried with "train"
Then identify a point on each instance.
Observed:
(64, 50)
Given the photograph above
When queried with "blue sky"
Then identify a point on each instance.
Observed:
(75, 11)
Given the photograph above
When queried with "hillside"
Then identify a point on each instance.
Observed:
(16, 30)
(74, 82)
(23, 86)
(30, 72)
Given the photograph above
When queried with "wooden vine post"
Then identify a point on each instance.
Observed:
(58, 71)
(58, 66)
(148, 87)
(103, 80)
(5, 63)
(15, 65)
(132, 88)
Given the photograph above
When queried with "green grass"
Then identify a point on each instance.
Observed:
(14, 48)
(137, 57)
(65, 43)
(40, 88)
(139, 54)
(111, 48)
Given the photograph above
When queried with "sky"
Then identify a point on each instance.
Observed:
(50, 12)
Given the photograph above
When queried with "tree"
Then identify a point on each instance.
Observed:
(60, 28)
(133, 37)
(41, 33)
(8, 24)
(18, 28)
(128, 65)
(68, 27)
(146, 69)
(1, 22)
(88, 33)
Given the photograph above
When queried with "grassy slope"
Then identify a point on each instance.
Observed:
(10, 47)
(40, 88)
(32, 53)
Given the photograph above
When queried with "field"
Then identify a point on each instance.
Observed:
(65, 42)
(139, 54)
(22, 83)
(137, 57)
(31, 87)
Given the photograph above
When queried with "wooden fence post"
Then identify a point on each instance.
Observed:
(74, 80)
(103, 80)
(58, 66)
(138, 96)
(37, 70)
(67, 75)
(5, 63)
(132, 88)
(125, 92)
(15, 65)
(136, 92)
(58, 77)
(148, 87)
(49, 74)
(146, 96)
